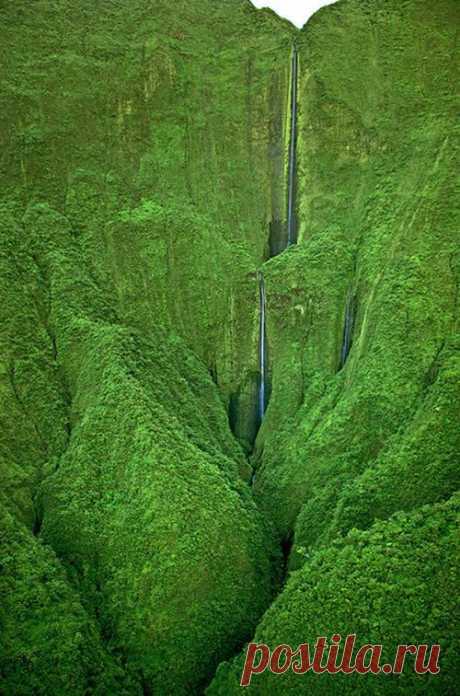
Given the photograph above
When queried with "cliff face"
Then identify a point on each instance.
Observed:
(377, 233)
(143, 168)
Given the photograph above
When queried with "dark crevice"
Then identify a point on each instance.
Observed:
(213, 374)
(242, 412)
(146, 688)
(348, 329)
(38, 518)
(433, 371)
(286, 547)
(276, 238)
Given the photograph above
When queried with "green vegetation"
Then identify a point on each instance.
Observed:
(49, 643)
(377, 104)
(394, 583)
(143, 176)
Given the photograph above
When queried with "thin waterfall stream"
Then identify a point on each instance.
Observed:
(291, 218)
(262, 350)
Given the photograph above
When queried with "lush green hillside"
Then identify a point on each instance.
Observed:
(397, 580)
(143, 159)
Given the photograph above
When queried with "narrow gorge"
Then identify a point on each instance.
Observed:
(230, 348)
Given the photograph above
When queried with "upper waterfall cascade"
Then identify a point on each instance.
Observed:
(291, 218)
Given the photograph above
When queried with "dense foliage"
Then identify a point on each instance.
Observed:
(391, 584)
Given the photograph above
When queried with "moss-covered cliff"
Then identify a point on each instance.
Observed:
(377, 227)
(143, 185)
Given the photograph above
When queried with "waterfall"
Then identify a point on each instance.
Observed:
(262, 349)
(291, 237)
(291, 222)
(347, 331)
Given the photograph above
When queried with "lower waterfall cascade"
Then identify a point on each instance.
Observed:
(262, 350)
